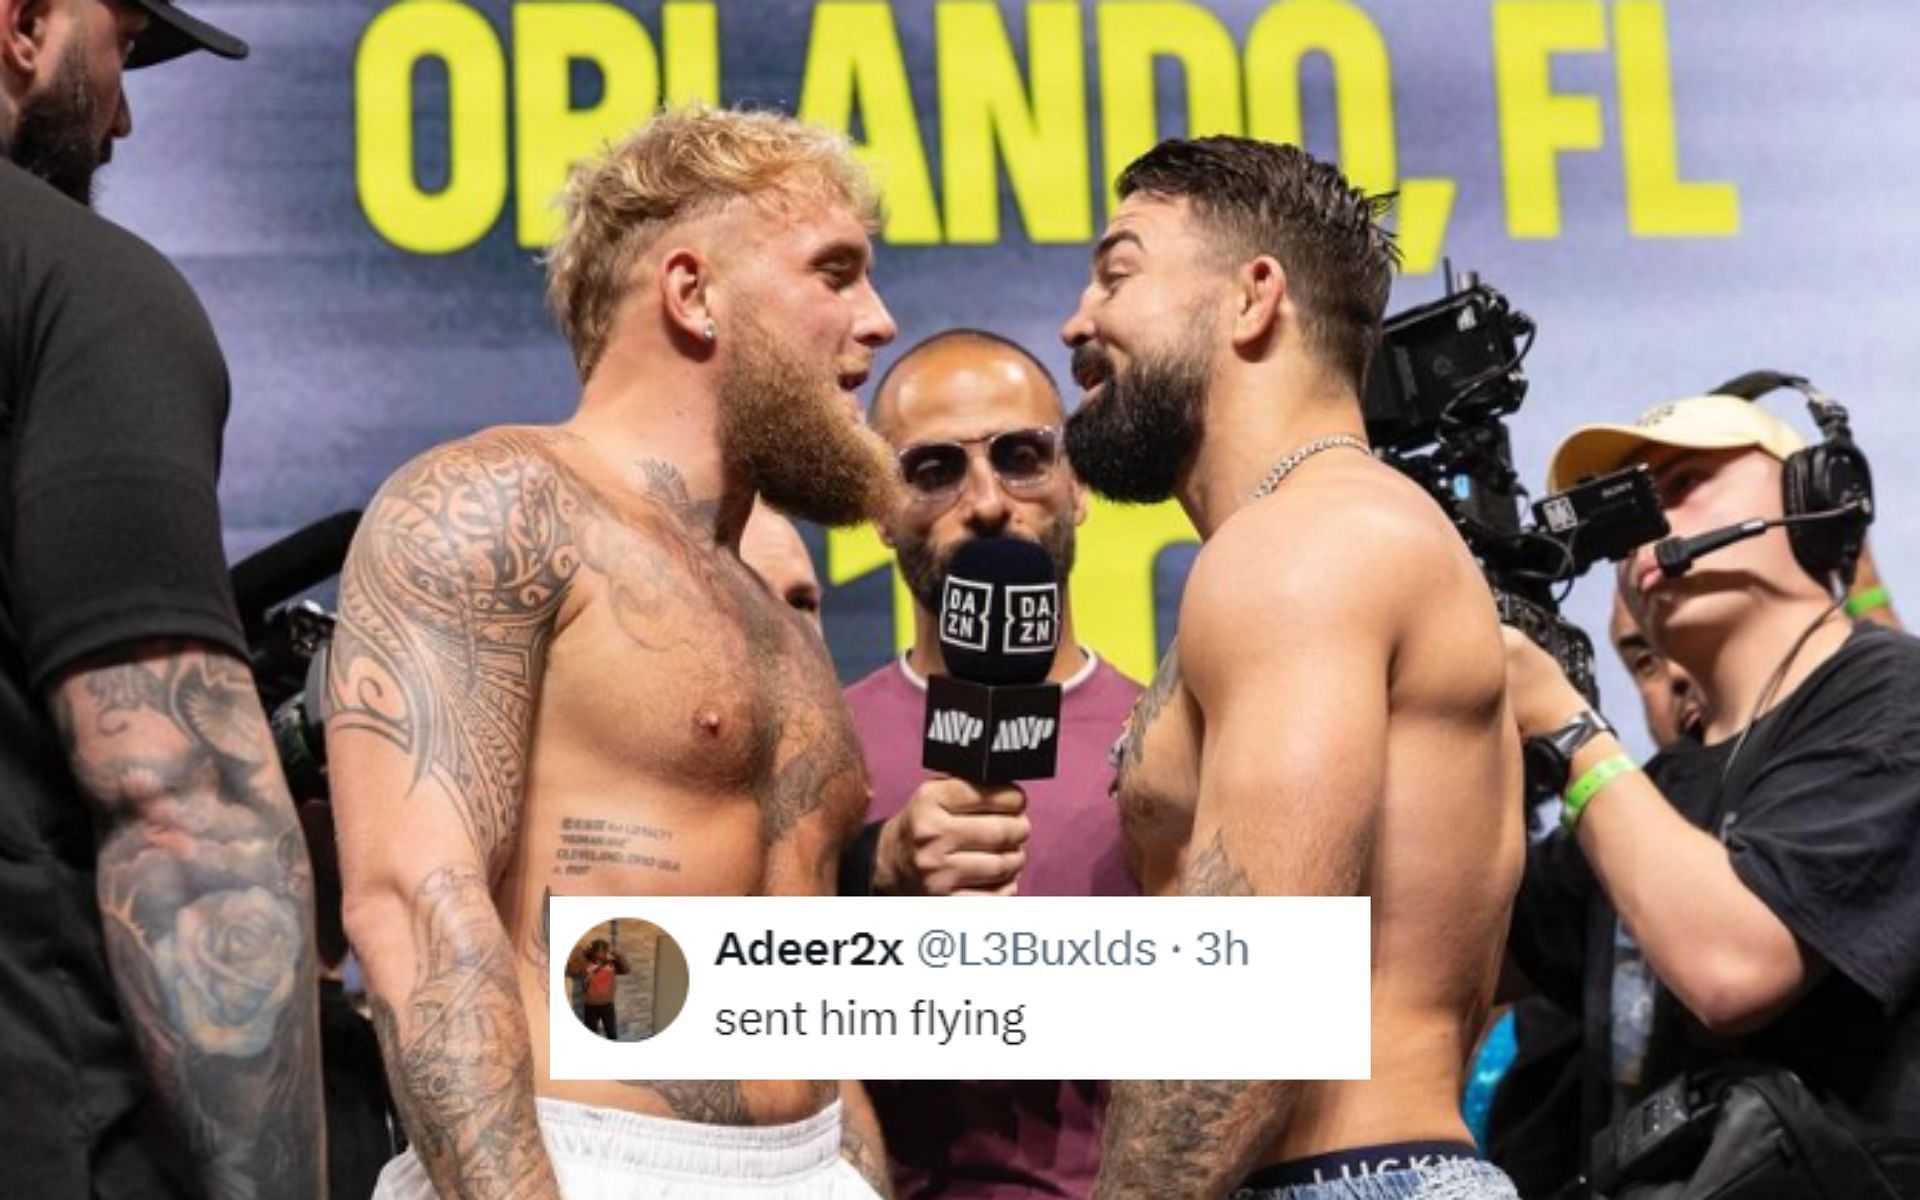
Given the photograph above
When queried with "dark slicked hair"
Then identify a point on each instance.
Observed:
(1265, 198)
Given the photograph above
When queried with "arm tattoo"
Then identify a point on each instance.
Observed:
(1166, 681)
(458, 1052)
(447, 607)
(1186, 1138)
(1212, 872)
(206, 900)
(540, 941)
(1191, 1137)
(865, 1155)
(860, 1145)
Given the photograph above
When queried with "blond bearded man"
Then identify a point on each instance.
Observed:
(547, 630)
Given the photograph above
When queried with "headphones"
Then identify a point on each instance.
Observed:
(1830, 477)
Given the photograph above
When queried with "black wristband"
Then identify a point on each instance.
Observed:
(857, 861)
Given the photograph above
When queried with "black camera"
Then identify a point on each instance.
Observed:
(290, 672)
(1445, 377)
(287, 642)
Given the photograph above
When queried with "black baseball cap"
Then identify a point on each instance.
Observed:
(172, 33)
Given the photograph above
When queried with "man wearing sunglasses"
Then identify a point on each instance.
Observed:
(1333, 720)
(976, 422)
(158, 994)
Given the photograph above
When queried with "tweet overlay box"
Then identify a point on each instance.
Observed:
(1017, 988)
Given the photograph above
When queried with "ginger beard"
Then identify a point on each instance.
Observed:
(784, 425)
(1131, 443)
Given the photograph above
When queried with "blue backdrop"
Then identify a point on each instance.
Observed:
(1676, 192)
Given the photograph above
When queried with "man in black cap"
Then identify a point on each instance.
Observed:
(157, 1005)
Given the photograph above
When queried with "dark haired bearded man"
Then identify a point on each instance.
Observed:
(1333, 720)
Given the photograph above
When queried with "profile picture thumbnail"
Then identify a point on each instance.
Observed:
(626, 979)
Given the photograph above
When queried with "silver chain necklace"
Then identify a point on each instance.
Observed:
(1287, 465)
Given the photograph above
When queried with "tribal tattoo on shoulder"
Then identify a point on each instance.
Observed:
(206, 899)
(447, 608)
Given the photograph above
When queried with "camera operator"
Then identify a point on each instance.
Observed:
(1768, 873)
(157, 1015)
(1534, 1126)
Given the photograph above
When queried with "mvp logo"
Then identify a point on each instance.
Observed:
(951, 728)
(1022, 733)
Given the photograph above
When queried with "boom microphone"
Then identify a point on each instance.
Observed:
(994, 718)
(1676, 555)
(291, 565)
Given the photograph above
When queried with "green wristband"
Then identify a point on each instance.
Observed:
(1863, 602)
(1584, 789)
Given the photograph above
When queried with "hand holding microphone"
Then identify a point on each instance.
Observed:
(954, 838)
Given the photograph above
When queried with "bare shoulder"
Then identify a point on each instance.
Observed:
(450, 597)
(491, 519)
(1353, 546)
(476, 480)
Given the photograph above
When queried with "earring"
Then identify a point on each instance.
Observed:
(711, 332)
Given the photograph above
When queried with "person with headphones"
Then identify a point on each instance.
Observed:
(1757, 994)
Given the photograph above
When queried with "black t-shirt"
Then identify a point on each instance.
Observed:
(1820, 813)
(113, 394)
(1566, 940)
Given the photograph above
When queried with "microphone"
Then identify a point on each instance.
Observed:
(1676, 555)
(993, 718)
(291, 565)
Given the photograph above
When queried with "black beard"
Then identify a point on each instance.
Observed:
(53, 136)
(1132, 443)
(926, 574)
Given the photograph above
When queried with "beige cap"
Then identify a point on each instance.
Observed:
(1701, 423)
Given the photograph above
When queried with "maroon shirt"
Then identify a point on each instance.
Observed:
(1006, 1140)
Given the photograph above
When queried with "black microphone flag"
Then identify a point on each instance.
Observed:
(993, 718)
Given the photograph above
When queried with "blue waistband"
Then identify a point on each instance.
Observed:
(1360, 1161)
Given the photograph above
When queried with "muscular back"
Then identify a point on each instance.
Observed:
(1334, 722)
(570, 690)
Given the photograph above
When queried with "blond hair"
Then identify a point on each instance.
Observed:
(685, 163)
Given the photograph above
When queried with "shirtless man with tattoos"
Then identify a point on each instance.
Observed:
(554, 676)
(1334, 719)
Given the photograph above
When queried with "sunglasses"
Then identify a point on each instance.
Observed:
(1023, 460)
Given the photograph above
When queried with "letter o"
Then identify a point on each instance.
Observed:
(459, 214)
